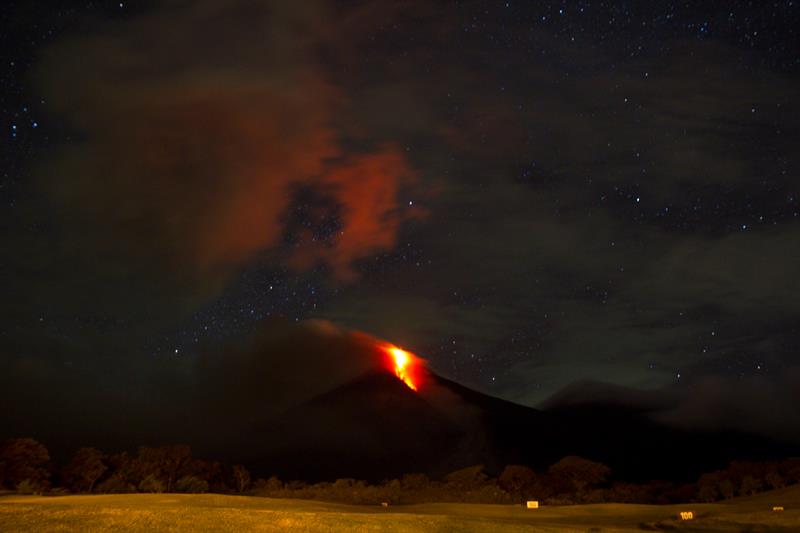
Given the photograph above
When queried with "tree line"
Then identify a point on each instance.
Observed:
(26, 467)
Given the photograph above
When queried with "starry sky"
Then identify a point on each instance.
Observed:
(526, 194)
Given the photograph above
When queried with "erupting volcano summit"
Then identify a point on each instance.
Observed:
(405, 365)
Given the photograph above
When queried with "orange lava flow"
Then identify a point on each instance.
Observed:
(403, 365)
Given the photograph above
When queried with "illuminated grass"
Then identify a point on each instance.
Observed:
(211, 512)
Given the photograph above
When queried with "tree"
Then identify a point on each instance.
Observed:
(727, 489)
(176, 458)
(468, 478)
(165, 462)
(775, 480)
(241, 478)
(790, 470)
(627, 493)
(273, 484)
(125, 469)
(708, 487)
(28, 486)
(213, 472)
(580, 473)
(115, 484)
(517, 480)
(84, 469)
(415, 482)
(152, 483)
(750, 485)
(191, 484)
(24, 459)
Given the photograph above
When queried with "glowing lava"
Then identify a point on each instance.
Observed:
(404, 363)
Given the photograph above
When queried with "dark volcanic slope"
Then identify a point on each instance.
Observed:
(375, 428)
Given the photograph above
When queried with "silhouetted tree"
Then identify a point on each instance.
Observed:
(165, 462)
(774, 480)
(415, 482)
(191, 484)
(517, 480)
(296, 484)
(737, 471)
(468, 478)
(727, 489)
(579, 472)
(790, 470)
(152, 483)
(682, 493)
(84, 469)
(24, 459)
(115, 484)
(241, 478)
(708, 487)
(213, 472)
(627, 493)
(272, 484)
(750, 485)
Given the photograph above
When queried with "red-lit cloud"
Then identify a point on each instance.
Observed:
(369, 188)
(188, 154)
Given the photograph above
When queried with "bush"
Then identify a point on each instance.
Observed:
(191, 484)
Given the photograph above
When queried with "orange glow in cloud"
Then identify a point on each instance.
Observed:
(191, 167)
(405, 365)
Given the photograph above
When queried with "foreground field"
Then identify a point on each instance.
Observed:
(211, 512)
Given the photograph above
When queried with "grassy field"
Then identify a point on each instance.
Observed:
(212, 512)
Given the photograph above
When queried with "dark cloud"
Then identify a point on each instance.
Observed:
(760, 405)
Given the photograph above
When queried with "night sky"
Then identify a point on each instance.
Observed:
(526, 194)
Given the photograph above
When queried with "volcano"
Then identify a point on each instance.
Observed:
(377, 427)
